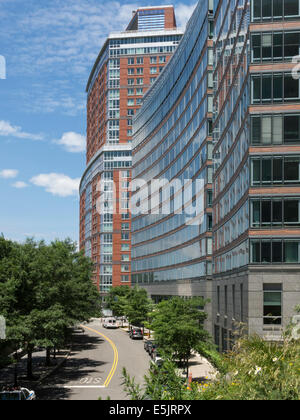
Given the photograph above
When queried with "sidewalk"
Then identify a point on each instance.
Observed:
(40, 371)
(201, 369)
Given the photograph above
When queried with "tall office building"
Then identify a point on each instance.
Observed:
(172, 240)
(257, 167)
(126, 67)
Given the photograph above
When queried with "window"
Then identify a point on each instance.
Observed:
(272, 88)
(130, 102)
(153, 70)
(130, 61)
(125, 237)
(140, 60)
(275, 212)
(125, 268)
(267, 10)
(130, 92)
(276, 170)
(275, 251)
(140, 92)
(130, 82)
(125, 247)
(139, 81)
(162, 60)
(153, 60)
(125, 279)
(275, 129)
(272, 304)
(130, 72)
(140, 70)
(125, 258)
(152, 80)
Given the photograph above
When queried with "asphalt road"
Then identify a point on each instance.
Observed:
(94, 369)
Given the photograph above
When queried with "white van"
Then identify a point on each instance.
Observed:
(110, 324)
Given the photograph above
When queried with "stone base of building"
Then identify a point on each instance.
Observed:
(238, 303)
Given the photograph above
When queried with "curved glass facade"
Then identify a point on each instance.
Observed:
(173, 141)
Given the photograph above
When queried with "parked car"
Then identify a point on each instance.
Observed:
(20, 394)
(111, 324)
(136, 334)
(152, 350)
(158, 361)
(148, 344)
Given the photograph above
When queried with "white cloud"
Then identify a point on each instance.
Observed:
(72, 142)
(184, 13)
(8, 130)
(9, 173)
(20, 185)
(57, 184)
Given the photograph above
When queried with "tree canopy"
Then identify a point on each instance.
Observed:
(44, 290)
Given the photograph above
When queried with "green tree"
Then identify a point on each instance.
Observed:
(117, 300)
(137, 307)
(44, 290)
(178, 325)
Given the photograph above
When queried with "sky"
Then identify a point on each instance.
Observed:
(47, 50)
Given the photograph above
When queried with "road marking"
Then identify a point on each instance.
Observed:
(116, 356)
(84, 387)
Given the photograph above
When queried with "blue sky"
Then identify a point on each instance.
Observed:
(49, 47)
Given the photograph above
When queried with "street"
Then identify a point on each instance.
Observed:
(94, 369)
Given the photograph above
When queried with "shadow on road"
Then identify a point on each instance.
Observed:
(75, 369)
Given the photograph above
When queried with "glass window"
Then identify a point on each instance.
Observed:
(277, 252)
(277, 129)
(291, 170)
(256, 214)
(291, 128)
(266, 9)
(291, 211)
(277, 88)
(291, 252)
(266, 170)
(255, 250)
(256, 130)
(277, 212)
(267, 130)
(266, 88)
(272, 304)
(267, 46)
(291, 8)
(266, 212)
(256, 89)
(291, 87)
(266, 252)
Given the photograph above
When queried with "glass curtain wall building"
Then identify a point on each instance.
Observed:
(256, 200)
(128, 64)
(172, 142)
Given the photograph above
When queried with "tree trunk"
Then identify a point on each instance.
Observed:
(48, 357)
(29, 363)
(16, 370)
(187, 368)
(54, 353)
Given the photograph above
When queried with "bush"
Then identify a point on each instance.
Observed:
(259, 371)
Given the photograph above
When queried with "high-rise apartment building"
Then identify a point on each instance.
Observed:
(172, 236)
(126, 67)
(226, 112)
(257, 167)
